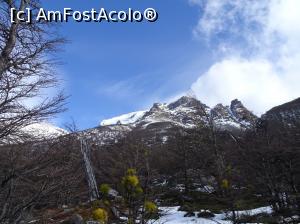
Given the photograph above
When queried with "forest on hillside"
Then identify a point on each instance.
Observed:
(204, 171)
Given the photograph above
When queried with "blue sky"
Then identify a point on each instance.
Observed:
(115, 68)
(221, 49)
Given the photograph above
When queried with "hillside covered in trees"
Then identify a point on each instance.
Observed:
(205, 170)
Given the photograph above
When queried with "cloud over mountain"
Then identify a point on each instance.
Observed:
(257, 49)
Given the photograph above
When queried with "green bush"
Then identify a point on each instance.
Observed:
(104, 189)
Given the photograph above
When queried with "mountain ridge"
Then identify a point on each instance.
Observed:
(163, 120)
(185, 111)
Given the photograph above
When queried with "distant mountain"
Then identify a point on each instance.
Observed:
(34, 132)
(44, 130)
(188, 112)
(163, 120)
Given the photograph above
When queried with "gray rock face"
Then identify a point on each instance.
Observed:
(186, 101)
(241, 112)
(234, 116)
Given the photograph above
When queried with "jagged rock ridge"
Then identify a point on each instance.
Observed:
(162, 120)
(189, 112)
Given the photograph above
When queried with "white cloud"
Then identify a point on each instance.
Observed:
(262, 52)
(236, 77)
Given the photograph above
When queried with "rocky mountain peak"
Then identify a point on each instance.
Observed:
(186, 112)
(240, 111)
(236, 103)
(157, 107)
(219, 107)
(185, 101)
(220, 111)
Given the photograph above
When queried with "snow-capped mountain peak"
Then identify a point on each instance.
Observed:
(34, 132)
(187, 112)
(129, 118)
(162, 120)
(44, 130)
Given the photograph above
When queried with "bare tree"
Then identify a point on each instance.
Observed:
(27, 57)
(37, 176)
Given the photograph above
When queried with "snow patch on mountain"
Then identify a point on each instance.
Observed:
(124, 119)
(43, 130)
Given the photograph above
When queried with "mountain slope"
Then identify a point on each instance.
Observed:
(287, 113)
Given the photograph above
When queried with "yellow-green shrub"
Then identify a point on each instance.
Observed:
(225, 184)
(131, 179)
(131, 172)
(100, 215)
(150, 207)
